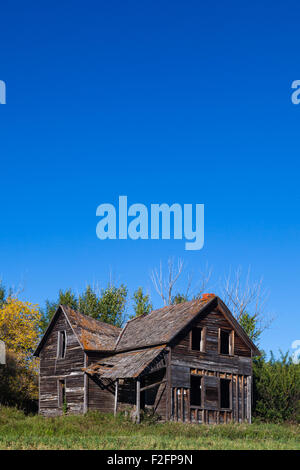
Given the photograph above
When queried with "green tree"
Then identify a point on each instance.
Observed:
(89, 303)
(66, 297)
(2, 294)
(5, 293)
(142, 303)
(276, 389)
(112, 304)
(108, 307)
(179, 298)
(251, 326)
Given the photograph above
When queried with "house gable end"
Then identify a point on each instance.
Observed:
(214, 317)
(59, 312)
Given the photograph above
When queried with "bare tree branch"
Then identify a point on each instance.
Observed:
(164, 283)
(246, 297)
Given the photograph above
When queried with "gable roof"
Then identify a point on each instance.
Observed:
(93, 335)
(129, 364)
(160, 326)
(163, 325)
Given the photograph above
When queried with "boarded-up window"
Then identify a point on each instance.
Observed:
(61, 344)
(180, 376)
(225, 386)
(196, 389)
(211, 387)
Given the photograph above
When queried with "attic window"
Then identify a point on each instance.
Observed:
(61, 344)
(198, 339)
(226, 339)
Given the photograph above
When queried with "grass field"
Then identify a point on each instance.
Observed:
(97, 431)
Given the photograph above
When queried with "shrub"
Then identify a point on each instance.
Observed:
(276, 389)
(18, 385)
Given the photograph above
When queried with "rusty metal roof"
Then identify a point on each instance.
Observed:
(159, 326)
(92, 334)
(129, 364)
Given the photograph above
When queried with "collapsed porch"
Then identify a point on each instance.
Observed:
(139, 378)
(145, 379)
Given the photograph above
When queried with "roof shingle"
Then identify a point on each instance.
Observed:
(125, 365)
(92, 334)
(159, 326)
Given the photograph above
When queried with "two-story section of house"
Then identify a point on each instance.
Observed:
(189, 362)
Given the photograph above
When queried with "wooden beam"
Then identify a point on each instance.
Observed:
(153, 385)
(243, 398)
(85, 384)
(181, 404)
(249, 396)
(237, 418)
(138, 401)
(116, 397)
(188, 405)
(153, 371)
(169, 389)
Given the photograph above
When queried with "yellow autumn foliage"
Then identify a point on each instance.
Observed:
(19, 329)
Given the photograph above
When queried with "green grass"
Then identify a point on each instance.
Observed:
(103, 431)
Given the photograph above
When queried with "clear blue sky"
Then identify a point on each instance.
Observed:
(162, 101)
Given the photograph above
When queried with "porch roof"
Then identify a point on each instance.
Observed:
(129, 364)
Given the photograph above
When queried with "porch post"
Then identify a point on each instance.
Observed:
(249, 397)
(116, 396)
(138, 400)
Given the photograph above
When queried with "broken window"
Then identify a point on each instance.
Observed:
(61, 393)
(198, 339)
(61, 344)
(196, 389)
(225, 386)
(226, 342)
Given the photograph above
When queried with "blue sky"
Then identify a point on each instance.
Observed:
(186, 102)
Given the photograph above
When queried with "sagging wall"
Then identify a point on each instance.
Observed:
(211, 366)
(210, 411)
(99, 393)
(69, 369)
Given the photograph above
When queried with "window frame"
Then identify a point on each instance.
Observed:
(230, 394)
(61, 353)
(202, 345)
(231, 342)
(201, 391)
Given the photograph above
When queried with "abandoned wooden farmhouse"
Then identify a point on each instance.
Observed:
(188, 362)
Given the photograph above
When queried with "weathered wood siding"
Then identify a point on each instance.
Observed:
(53, 369)
(171, 397)
(100, 393)
(212, 367)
